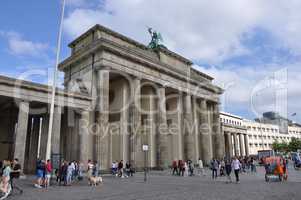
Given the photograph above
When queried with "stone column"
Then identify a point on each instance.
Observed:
(124, 121)
(229, 145)
(85, 147)
(236, 150)
(56, 130)
(246, 144)
(152, 138)
(93, 113)
(180, 126)
(21, 133)
(162, 126)
(135, 118)
(33, 145)
(241, 144)
(206, 139)
(44, 136)
(196, 129)
(103, 138)
(188, 128)
(219, 137)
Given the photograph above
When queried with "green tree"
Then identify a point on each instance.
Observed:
(295, 144)
(280, 146)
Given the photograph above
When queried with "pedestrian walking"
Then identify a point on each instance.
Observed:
(185, 169)
(72, 168)
(90, 171)
(253, 166)
(222, 168)
(80, 171)
(201, 167)
(40, 173)
(48, 172)
(214, 167)
(70, 172)
(236, 165)
(64, 171)
(114, 168)
(95, 171)
(5, 187)
(228, 168)
(174, 168)
(181, 167)
(120, 169)
(190, 168)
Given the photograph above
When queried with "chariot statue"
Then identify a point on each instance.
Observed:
(156, 39)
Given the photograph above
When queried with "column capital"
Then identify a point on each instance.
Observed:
(135, 77)
(101, 68)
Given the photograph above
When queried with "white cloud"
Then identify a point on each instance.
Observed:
(283, 19)
(206, 30)
(19, 46)
(241, 86)
(209, 31)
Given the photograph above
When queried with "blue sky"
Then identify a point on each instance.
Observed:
(240, 43)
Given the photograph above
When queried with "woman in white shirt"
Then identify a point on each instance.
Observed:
(201, 167)
(236, 166)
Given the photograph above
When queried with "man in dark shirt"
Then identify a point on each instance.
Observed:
(120, 168)
(16, 169)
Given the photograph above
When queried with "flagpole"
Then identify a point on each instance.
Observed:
(54, 84)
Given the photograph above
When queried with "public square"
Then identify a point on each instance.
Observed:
(92, 87)
(161, 185)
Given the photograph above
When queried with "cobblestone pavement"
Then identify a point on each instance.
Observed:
(161, 185)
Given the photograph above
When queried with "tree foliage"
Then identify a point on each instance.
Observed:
(292, 146)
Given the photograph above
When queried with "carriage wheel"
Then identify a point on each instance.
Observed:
(280, 178)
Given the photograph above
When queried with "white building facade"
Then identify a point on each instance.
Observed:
(257, 136)
(261, 136)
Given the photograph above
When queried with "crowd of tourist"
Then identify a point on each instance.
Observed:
(119, 170)
(67, 173)
(72, 171)
(218, 168)
(182, 168)
(237, 165)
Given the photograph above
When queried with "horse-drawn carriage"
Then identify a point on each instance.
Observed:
(275, 169)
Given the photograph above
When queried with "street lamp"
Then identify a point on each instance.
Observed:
(54, 83)
(145, 150)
